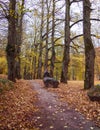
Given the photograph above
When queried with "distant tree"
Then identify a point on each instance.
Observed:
(97, 63)
(76, 67)
(47, 34)
(39, 73)
(52, 40)
(34, 47)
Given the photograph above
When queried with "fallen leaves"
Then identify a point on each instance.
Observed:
(91, 128)
(65, 126)
(51, 127)
(50, 107)
(73, 94)
(77, 98)
(17, 107)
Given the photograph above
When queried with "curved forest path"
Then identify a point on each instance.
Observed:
(57, 115)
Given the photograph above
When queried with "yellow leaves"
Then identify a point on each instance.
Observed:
(97, 36)
(3, 65)
(76, 67)
(35, 12)
(65, 126)
(12, 12)
(51, 127)
(38, 117)
(77, 58)
(91, 128)
(20, 8)
(30, 53)
(49, 16)
(5, 85)
(59, 58)
(41, 125)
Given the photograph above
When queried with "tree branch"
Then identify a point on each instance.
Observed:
(82, 20)
(75, 1)
(58, 39)
(82, 35)
(4, 7)
(56, 46)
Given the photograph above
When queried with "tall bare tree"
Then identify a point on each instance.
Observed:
(52, 39)
(47, 34)
(66, 55)
(34, 49)
(89, 48)
(39, 74)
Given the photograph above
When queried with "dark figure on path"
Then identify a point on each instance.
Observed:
(48, 81)
(46, 74)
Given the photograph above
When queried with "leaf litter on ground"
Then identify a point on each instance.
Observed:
(74, 94)
(17, 106)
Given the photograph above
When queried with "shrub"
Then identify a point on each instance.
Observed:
(5, 85)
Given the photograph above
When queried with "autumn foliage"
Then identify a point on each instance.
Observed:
(74, 94)
(17, 106)
(18, 103)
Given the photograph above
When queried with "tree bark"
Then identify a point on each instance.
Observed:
(10, 49)
(19, 21)
(39, 74)
(89, 48)
(52, 40)
(34, 62)
(47, 32)
(66, 55)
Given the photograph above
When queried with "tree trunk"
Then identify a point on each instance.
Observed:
(10, 49)
(52, 40)
(34, 61)
(25, 72)
(89, 48)
(47, 32)
(66, 56)
(18, 50)
(19, 39)
(39, 74)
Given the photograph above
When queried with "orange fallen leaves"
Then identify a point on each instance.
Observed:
(73, 94)
(17, 106)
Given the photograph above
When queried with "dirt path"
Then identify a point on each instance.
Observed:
(57, 115)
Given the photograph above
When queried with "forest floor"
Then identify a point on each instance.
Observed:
(57, 114)
(31, 106)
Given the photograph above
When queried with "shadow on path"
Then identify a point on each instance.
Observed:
(56, 115)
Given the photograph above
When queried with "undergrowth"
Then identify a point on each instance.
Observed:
(5, 85)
